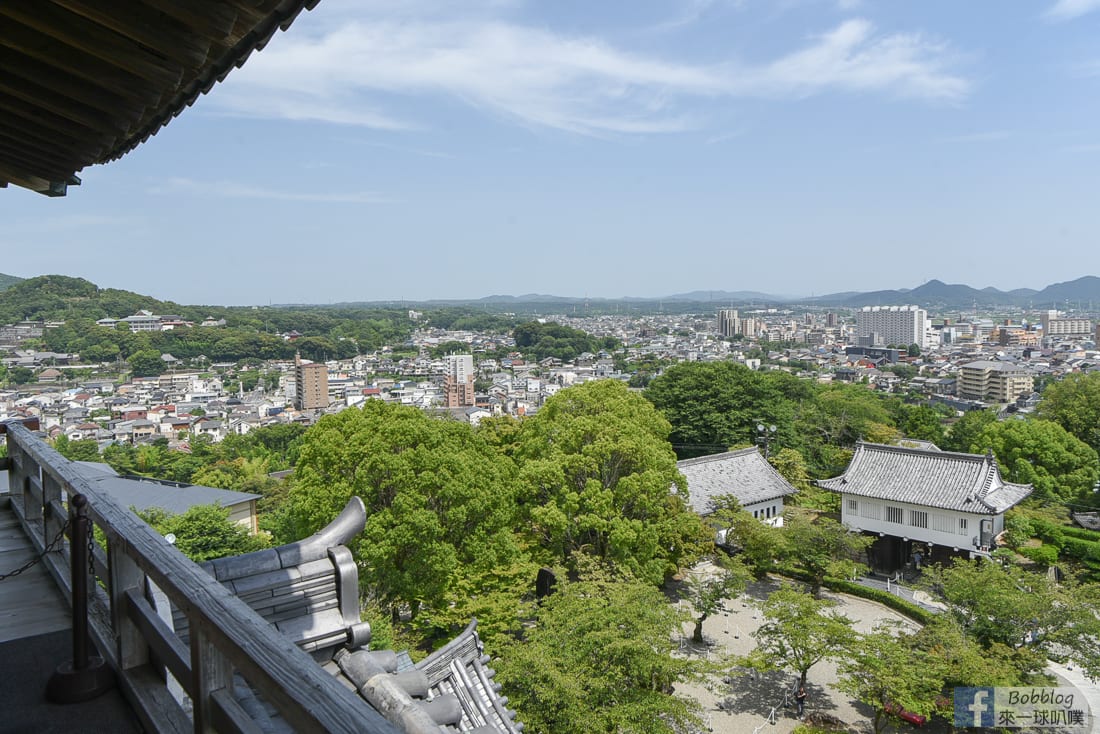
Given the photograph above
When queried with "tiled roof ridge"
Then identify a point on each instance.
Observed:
(942, 454)
(718, 457)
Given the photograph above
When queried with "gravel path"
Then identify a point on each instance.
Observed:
(745, 702)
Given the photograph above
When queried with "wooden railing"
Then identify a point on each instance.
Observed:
(129, 629)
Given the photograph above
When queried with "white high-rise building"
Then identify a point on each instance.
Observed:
(458, 380)
(899, 325)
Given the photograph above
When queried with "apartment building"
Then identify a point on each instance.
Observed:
(993, 382)
(900, 325)
(310, 384)
(458, 380)
(1057, 325)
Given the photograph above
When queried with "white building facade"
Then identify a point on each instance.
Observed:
(900, 325)
(939, 504)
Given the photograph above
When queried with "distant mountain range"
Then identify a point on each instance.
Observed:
(936, 293)
(1082, 292)
(7, 281)
(933, 294)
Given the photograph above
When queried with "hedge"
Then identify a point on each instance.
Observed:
(897, 603)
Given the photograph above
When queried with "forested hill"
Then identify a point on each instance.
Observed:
(7, 281)
(60, 297)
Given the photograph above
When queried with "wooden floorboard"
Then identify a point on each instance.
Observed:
(30, 604)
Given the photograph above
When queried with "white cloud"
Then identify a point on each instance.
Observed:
(235, 190)
(1070, 9)
(355, 73)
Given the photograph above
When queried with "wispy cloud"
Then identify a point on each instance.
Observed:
(1088, 68)
(362, 71)
(71, 222)
(235, 190)
(1083, 148)
(1070, 9)
(985, 136)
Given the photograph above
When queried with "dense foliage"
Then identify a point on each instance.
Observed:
(540, 340)
(599, 660)
(327, 332)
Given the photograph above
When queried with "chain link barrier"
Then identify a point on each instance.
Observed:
(52, 546)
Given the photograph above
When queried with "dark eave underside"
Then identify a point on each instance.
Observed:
(87, 81)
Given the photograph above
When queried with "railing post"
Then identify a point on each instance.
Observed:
(52, 522)
(84, 677)
(210, 672)
(124, 575)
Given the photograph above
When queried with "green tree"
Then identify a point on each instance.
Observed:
(823, 547)
(599, 660)
(964, 433)
(83, 450)
(1004, 606)
(708, 592)
(20, 375)
(204, 532)
(880, 671)
(922, 423)
(439, 499)
(798, 632)
(913, 350)
(757, 545)
(598, 476)
(146, 363)
(714, 405)
(1043, 454)
(794, 468)
(1074, 403)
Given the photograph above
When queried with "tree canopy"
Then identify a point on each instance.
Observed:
(440, 501)
(598, 476)
(1042, 453)
(1074, 403)
(599, 660)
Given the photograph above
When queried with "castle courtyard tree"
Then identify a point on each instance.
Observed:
(440, 500)
(598, 660)
(881, 671)
(597, 476)
(798, 632)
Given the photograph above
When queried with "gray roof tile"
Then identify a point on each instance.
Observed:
(945, 479)
(745, 474)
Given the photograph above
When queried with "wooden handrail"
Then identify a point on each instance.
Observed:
(226, 634)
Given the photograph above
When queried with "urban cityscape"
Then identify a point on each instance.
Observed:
(671, 367)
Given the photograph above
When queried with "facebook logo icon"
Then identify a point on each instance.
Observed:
(974, 707)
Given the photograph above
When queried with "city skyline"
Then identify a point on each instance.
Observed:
(798, 148)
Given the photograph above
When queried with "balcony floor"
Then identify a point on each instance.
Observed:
(35, 637)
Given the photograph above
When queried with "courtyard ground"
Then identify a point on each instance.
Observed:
(745, 702)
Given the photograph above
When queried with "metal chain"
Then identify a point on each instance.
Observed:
(34, 561)
(91, 552)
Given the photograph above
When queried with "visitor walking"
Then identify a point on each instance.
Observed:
(800, 700)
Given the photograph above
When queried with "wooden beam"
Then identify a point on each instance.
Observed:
(25, 162)
(83, 66)
(71, 30)
(62, 82)
(37, 162)
(89, 138)
(148, 27)
(62, 106)
(212, 18)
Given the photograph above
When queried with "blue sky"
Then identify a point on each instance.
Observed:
(414, 150)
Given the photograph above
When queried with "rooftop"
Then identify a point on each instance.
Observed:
(745, 474)
(944, 479)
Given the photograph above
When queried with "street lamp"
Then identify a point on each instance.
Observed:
(764, 435)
